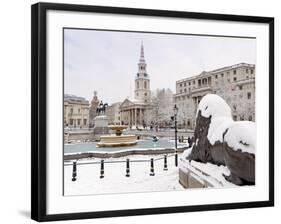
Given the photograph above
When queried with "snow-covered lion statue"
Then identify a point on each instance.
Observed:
(220, 140)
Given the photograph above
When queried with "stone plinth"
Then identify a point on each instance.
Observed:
(101, 125)
(191, 176)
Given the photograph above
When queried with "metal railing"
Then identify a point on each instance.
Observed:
(128, 161)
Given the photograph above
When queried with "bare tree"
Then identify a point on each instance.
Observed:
(162, 108)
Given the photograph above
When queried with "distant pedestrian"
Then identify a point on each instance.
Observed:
(189, 142)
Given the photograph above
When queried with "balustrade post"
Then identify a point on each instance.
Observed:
(152, 167)
(74, 171)
(165, 163)
(102, 169)
(127, 168)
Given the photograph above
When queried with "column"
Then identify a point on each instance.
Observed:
(121, 112)
(135, 110)
(141, 124)
(130, 117)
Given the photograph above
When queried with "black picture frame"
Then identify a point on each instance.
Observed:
(39, 110)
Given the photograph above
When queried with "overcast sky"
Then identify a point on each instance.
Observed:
(106, 61)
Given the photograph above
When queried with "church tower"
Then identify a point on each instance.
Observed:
(142, 82)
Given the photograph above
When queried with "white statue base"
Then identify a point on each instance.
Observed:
(101, 125)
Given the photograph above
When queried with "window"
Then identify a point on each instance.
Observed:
(145, 94)
(145, 84)
(234, 78)
(216, 76)
(249, 95)
(185, 84)
(252, 71)
(247, 71)
(199, 82)
(85, 121)
(78, 111)
(145, 75)
(185, 90)
(235, 117)
(222, 75)
(242, 118)
(181, 91)
(71, 121)
(189, 83)
(71, 110)
(194, 82)
(78, 121)
(180, 85)
(234, 107)
(240, 87)
(234, 72)
(250, 118)
(137, 94)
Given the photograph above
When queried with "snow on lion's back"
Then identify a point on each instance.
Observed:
(242, 135)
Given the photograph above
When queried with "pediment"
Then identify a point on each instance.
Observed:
(126, 103)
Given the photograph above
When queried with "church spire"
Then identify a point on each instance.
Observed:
(142, 64)
(142, 54)
(142, 81)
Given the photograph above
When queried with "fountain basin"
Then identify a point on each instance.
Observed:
(118, 129)
(116, 141)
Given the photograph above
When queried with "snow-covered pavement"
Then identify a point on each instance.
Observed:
(114, 181)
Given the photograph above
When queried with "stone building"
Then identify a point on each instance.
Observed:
(113, 113)
(93, 109)
(76, 112)
(132, 111)
(235, 84)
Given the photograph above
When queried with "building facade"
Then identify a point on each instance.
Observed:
(76, 112)
(235, 84)
(132, 111)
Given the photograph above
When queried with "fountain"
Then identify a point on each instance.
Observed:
(117, 139)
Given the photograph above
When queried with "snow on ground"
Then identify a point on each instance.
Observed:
(114, 181)
(89, 182)
(240, 135)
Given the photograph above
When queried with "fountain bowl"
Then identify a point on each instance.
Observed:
(117, 139)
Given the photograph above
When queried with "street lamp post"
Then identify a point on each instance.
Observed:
(176, 131)
(176, 134)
